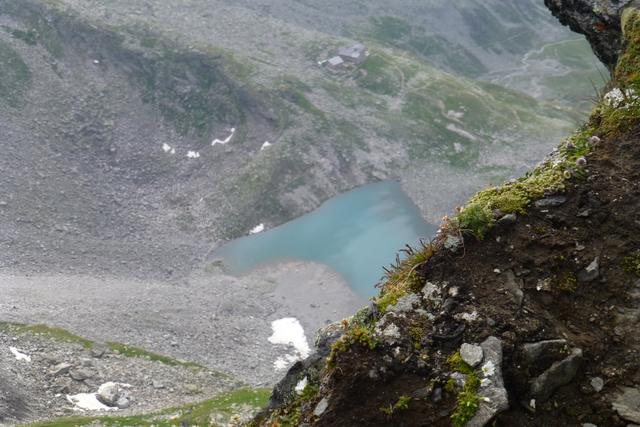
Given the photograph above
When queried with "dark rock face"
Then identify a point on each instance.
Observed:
(596, 19)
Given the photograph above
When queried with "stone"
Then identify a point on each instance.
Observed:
(559, 374)
(471, 354)
(452, 243)
(123, 402)
(514, 286)
(98, 350)
(493, 395)
(589, 425)
(551, 202)
(192, 389)
(109, 393)
(81, 374)
(591, 272)
(60, 369)
(600, 23)
(543, 352)
(597, 383)
(627, 404)
(157, 384)
(321, 407)
(508, 220)
(405, 304)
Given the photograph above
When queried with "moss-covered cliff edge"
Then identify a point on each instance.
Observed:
(524, 309)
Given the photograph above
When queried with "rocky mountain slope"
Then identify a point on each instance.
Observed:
(111, 110)
(524, 309)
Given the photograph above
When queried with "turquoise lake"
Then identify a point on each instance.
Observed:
(356, 234)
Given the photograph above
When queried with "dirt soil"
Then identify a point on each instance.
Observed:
(544, 250)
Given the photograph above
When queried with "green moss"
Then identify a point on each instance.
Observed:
(417, 334)
(631, 264)
(402, 404)
(200, 414)
(475, 218)
(358, 335)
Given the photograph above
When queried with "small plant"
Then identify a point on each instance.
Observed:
(477, 219)
(401, 405)
(401, 278)
(360, 335)
(566, 282)
(417, 334)
(631, 264)
(467, 400)
(310, 392)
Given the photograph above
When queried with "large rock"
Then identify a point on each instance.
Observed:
(543, 353)
(599, 20)
(493, 396)
(471, 354)
(627, 404)
(109, 394)
(559, 374)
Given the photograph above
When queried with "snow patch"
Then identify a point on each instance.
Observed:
(257, 229)
(88, 402)
(223, 141)
(266, 145)
(193, 155)
(289, 332)
(19, 355)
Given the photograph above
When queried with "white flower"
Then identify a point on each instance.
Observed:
(616, 98)
(488, 369)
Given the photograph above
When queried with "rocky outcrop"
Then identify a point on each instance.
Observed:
(598, 20)
(550, 293)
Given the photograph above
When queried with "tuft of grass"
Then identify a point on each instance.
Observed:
(631, 264)
(401, 278)
(475, 218)
(401, 405)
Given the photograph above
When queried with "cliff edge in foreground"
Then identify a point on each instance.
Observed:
(524, 310)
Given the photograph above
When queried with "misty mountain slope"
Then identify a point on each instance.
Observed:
(102, 93)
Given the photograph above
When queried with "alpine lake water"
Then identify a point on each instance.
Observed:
(355, 233)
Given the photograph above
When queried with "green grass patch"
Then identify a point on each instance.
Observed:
(62, 335)
(15, 76)
(136, 352)
(389, 29)
(57, 334)
(378, 75)
(198, 414)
